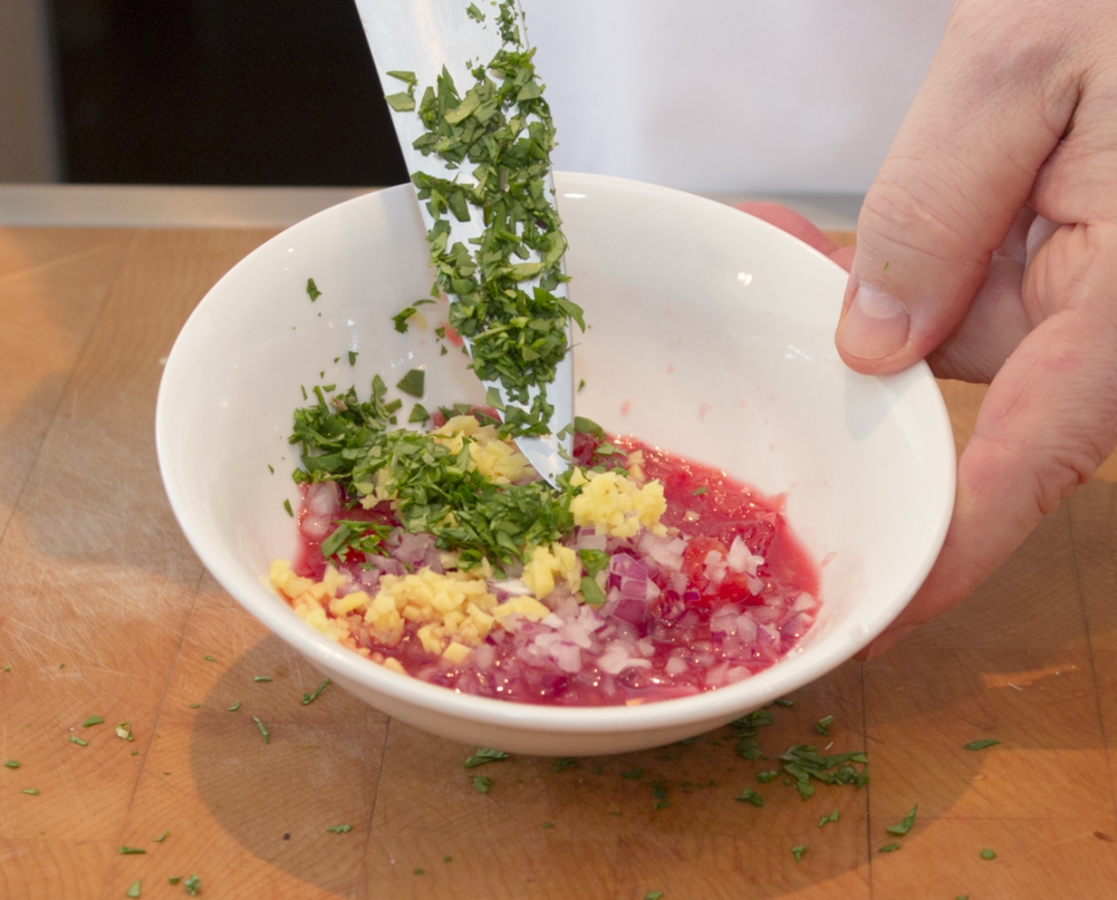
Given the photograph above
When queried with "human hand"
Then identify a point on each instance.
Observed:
(1017, 117)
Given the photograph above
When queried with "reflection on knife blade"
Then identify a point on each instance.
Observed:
(494, 234)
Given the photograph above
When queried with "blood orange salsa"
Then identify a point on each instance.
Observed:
(442, 555)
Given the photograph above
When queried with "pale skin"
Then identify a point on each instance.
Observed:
(988, 246)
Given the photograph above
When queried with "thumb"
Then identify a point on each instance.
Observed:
(960, 169)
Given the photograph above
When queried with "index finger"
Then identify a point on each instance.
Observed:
(994, 104)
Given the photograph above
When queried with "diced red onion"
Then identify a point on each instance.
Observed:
(797, 625)
(667, 552)
(630, 609)
(317, 527)
(483, 656)
(323, 498)
(741, 559)
(413, 548)
(676, 665)
(724, 620)
(735, 673)
(568, 656)
(746, 628)
(510, 587)
(715, 567)
(616, 659)
(587, 539)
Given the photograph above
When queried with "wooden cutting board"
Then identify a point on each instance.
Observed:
(106, 612)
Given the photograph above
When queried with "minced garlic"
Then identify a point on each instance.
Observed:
(616, 505)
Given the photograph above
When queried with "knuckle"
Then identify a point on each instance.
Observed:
(915, 213)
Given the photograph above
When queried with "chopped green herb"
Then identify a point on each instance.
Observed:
(591, 592)
(260, 678)
(209, 658)
(698, 492)
(406, 77)
(595, 561)
(802, 764)
(126, 851)
(784, 703)
(74, 739)
(481, 783)
(413, 382)
(798, 851)
(175, 880)
(485, 755)
(505, 301)
(12, 763)
(287, 506)
(310, 698)
(34, 792)
(889, 848)
(767, 777)
(886, 265)
(905, 826)
(195, 706)
(548, 824)
(162, 837)
(134, 890)
(270, 469)
(418, 414)
(474, 13)
(7, 668)
(193, 885)
(401, 102)
(401, 319)
(581, 384)
(418, 871)
(634, 774)
(263, 731)
(447, 858)
(352, 357)
(565, 763)
(653, 895)
(234, 707)
(354, 536)
(340, 829)
(982, 744)
(124, 731)
(347, 442)
(822, 726)
(988, 854)
(747, 728)
(749, 796)
(62, 665)
(91, 721)
(312, 290)
(833, 817)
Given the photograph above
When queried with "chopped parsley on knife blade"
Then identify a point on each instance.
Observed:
(501, 133)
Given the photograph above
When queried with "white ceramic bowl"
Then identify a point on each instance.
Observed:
(712, 337)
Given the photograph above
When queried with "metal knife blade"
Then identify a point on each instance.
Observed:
(422, 36)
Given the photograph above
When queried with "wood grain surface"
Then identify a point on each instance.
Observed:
(105, 611)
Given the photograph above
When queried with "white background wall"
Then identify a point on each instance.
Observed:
(757, 96)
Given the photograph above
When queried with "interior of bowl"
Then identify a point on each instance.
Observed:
(710, 336)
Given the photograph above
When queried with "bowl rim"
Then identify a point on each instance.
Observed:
(722, 703)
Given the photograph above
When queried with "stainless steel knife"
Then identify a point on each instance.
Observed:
(423, 36)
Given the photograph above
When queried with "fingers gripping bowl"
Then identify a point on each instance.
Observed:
(710, 335)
